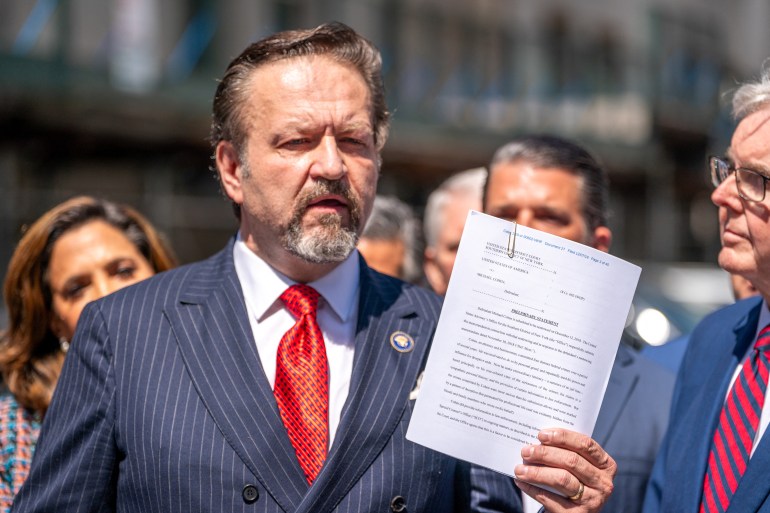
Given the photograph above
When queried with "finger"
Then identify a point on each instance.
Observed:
(552, 502)
(564, 466)
(552, 479)
(579, 443)
(563, 470)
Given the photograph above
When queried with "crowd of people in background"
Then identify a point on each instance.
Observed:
(260, 375)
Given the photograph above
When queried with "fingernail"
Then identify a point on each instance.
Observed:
(520, 471)
(545, 436)
(527, 451)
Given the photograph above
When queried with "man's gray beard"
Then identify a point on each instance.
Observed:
(332, 242)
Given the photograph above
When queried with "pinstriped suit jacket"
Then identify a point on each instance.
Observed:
(162, 406)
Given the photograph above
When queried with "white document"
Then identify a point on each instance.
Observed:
(523, 343)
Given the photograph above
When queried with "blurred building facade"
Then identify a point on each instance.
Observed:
(113, 98)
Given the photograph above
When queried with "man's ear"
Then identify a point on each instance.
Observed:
(602, 239)
(229, 167)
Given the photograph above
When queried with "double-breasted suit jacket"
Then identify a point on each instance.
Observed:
(163, 406)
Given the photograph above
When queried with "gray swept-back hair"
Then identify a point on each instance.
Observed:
(752, 96)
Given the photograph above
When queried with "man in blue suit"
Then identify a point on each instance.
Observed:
(556, 186)
(276, 375)
(715, 456)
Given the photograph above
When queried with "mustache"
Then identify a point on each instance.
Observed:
(323, 187)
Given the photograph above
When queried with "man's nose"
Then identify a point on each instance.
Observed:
(524, 217)
(328, 162)
(726, 194)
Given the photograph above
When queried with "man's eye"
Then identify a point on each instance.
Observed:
(553, 218)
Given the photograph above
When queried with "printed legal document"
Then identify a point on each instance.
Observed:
(524, 342)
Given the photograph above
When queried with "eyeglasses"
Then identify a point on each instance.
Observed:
(751, 184)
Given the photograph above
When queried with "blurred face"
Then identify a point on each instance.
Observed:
(385, 256)
(440, 259)
(309, 170)
(745, 225)
(89, 262)
(547, 199)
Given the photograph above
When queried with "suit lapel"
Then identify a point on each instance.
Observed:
(216, 343)
(619, 388)
(379, 390)
(702, 416)
(754, 486)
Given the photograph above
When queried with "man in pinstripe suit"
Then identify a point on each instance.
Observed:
(166, 401)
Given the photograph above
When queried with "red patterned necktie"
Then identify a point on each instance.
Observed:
(738, 422)
(302, 381)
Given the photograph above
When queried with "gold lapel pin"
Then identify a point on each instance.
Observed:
(401, 342)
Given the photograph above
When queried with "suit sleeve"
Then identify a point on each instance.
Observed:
(75, 464)
(492, 492)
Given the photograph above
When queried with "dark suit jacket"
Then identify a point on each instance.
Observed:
(631, 424)
(716, 347)
(163, 406)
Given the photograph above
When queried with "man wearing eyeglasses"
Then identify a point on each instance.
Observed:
(715, 456)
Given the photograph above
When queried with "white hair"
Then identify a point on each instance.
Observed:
(469, 183)
(752, 96)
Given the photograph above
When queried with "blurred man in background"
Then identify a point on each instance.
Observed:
(391, 242)
(554, 185)
(716, 456)
(445, 213)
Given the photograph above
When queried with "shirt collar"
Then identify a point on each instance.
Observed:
(263, 285)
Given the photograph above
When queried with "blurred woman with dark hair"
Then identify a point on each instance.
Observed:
(78, 251)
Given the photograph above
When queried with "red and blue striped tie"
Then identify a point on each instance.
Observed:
(738, 422)
(302, 381)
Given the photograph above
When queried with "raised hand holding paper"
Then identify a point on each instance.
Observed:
(523, 343)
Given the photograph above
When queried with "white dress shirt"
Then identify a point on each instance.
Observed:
(337, 316)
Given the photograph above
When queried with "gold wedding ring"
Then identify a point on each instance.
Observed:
(579, 493)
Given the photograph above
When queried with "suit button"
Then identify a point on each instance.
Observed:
(250, 494)
(397, 504)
